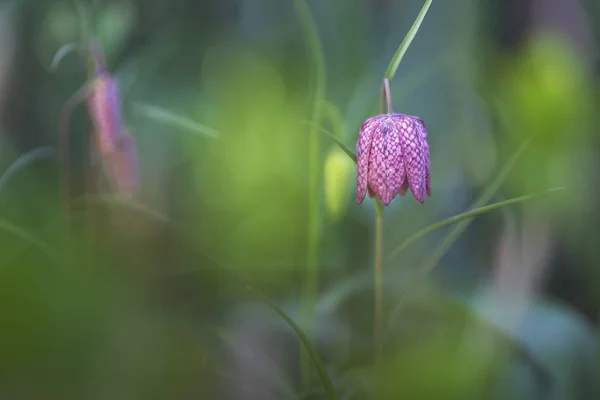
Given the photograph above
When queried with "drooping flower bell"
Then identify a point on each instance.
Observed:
(113, 142)
(392, 156)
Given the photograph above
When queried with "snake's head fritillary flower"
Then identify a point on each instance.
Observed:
(104, 106)
(392, 156)
(113, 142)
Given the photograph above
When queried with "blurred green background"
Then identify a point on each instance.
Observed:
(147, 299)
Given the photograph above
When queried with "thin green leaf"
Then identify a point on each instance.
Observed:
(426, 268)
(333, 115)
(422, 74)
(310, 279)
(312, 352)
(460, 217)
(61, 53)
(337, 141)
(168, 117)
(23, 161)
(391, 71)
(126, 203)
(28, 238)
(231, 341)
(485, 197)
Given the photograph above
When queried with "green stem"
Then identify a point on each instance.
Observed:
(378, 321)
(91, 57)
(310, 283)
(427, 266)
(387, 96)
(485, 197)
(312, 352)
(391, 70)
(336, 140)
(461, 217)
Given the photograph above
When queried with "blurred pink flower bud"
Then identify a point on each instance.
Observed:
(392, 156)
(114, 143)
(104, 104)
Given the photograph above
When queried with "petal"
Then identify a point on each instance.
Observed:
(386, 166)
(363, 151)
(104, 106)
(395, 162)
(378, 163)
(422, 129)
(427, 170)
(413, 150)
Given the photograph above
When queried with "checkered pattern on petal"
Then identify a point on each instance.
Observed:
(378, 162)
(413, 149)
(422, 129)
(395, 163)
(363, 152)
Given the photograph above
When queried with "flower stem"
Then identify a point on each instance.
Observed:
(388, 97)
(378, 312)
(378, 321)
(310, 282)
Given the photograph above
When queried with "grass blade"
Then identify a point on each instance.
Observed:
(167, 117)
(391, 70)
(312, 352)
(461, 217)
(28, 238)
(426, 268)
(310, 277)
(61, 53)
(485, 197)
(129, 204)
(333, 137)
(23, 161)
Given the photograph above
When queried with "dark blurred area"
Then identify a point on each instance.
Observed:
(105, 297)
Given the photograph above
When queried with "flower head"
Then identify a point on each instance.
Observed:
(114, 143)
(104, 105)
(393, 155)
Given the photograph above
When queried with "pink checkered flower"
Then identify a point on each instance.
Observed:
(393, 155)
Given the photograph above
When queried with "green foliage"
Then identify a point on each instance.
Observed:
(105, 297)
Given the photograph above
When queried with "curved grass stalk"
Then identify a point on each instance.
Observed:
(310, 349)
(393, 66)
(333, 137)
(132, 205)
(485, 197)
(451, 237)
(23, 161)
(28, 238)
(165, 116)
(461, 217)
(333, 298)
(310, 281)
(333, 115)
(426, 268)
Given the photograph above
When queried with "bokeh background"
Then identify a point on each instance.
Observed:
(148, 299)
